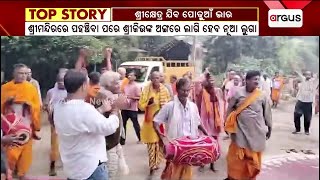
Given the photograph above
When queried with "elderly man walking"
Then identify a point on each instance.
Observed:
(154, 96)
(208, 105)
(110, 88)
(249, 124)
(55, 95)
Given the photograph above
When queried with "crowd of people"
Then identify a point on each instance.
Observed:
(88, 115)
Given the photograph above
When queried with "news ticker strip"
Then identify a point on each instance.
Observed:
(67, 14)
(142, 14)
(143, 28)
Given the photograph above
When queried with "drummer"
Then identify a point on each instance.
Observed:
(55, 95)
(24, 93)
(181, 118)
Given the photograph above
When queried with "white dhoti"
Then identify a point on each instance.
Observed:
(116, 163)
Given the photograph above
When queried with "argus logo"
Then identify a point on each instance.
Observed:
(285, 18)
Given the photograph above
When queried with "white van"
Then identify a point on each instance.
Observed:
(143, 69)
(144, 66)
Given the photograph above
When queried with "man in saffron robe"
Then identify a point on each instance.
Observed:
(181, 118)
(249, 123)
(22, 92)
(55, 95)
(208, 105)
(277, 86)
(153, 97)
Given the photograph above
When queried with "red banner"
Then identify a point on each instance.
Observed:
(12, 13)
(185, 14)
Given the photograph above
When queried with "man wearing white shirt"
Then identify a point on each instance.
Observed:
(81, 130)
(55, 95)
(305, 96)
(266, 85)
(181, 118)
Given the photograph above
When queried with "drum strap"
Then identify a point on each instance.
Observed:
(15, 122)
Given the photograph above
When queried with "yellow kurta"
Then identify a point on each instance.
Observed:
(148, 133)
(21, 157)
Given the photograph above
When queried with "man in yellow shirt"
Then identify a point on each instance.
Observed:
(153, 97)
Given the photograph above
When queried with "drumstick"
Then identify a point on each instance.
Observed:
(5, 119)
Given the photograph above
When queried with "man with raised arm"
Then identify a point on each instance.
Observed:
(305, 96)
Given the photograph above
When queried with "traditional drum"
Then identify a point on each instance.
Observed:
(11, 123)
(194, 152)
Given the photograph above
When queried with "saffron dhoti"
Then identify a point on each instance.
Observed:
(177, 172)
(243, 164)
(21, 157)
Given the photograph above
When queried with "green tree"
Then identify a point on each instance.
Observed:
(221, 51)
(45, 55)
(268, 54)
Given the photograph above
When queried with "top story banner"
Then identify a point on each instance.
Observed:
(265, 18)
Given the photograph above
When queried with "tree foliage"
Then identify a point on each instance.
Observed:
(45, 55)
(268, 54)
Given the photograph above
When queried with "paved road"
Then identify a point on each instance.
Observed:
(281, 139)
